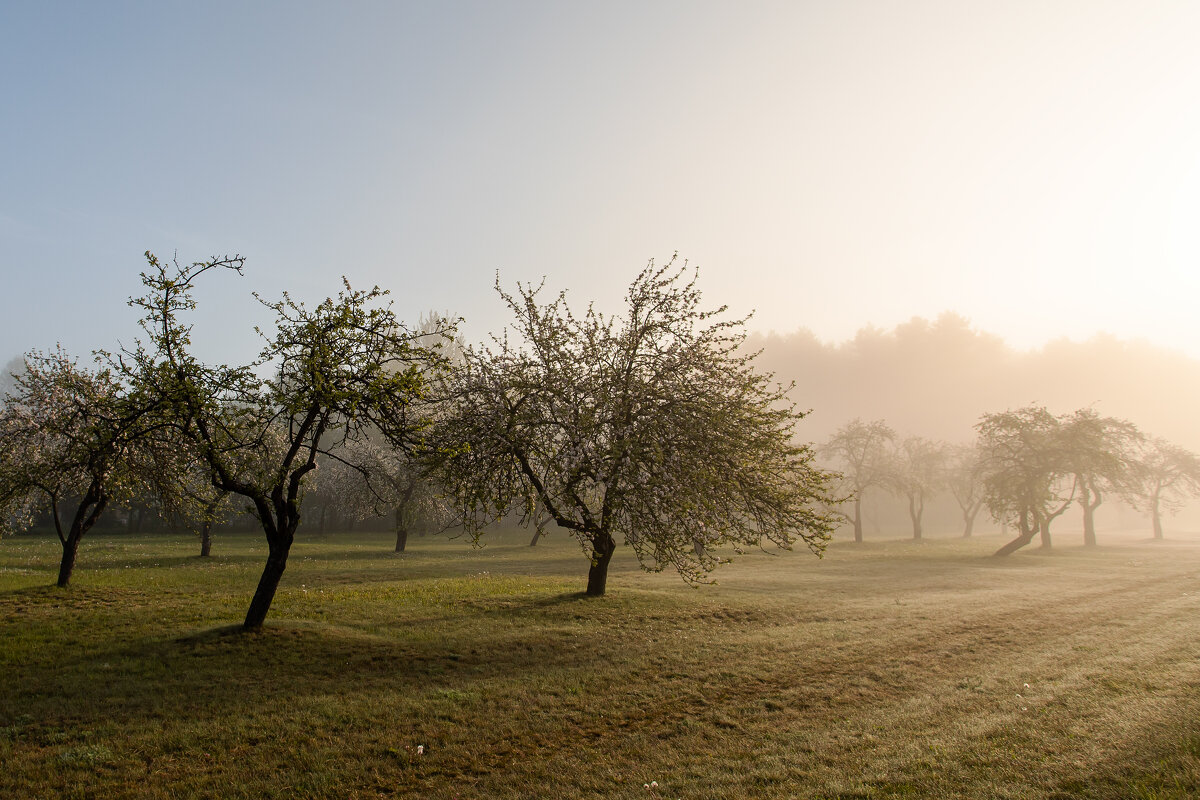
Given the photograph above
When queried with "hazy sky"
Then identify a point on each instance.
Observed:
(1034, 166)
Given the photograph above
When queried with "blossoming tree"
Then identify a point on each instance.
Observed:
(340, 371)
(72, 441)
(653, 427)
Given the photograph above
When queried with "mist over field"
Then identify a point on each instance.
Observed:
(935, 378)
(385, 421)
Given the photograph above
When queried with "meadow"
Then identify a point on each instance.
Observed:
(887, 669)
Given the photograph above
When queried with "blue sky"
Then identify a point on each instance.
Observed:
(1032, 166)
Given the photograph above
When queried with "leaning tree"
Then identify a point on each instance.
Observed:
(653, 427)
(1024, 467)
(338, 371)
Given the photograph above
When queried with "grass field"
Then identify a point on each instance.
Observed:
(886, 669)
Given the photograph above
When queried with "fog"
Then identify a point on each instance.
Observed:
(935, 379)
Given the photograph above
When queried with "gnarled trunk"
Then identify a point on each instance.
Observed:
(86, 514)
(67, 565)
(1025, 535)
(603, 546)
(267, 584)
(280, 529)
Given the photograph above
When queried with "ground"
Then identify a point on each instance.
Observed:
(888, 669)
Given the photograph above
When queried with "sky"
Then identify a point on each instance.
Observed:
(1033, 166)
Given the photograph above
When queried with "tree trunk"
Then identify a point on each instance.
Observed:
(1090, 500)
(86, 514)
(401, 530)
(1044, 521)
(206, 538)
(210, 511)
(1156, 520)
(70, 550)
(1089, 526)
(969, 523)
(1016, 544)
(858, 530)
(915, 510)
(603, 546)
(267, 584)
(539, 524)
(1024, 536)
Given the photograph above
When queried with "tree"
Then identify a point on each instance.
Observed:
(653, 427)
(964, 478)
(1024, 466)
(341, 369)
(859, 450)
(415, 499)
(1100, 454)
(74, 440)
(1166, 476)
(336, 492)
(368, 479)
(917, 471)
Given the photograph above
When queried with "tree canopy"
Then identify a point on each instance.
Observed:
(340, 371)
(653, 426)
(72, 441)
(860, 450)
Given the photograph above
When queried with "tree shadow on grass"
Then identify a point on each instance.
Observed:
(227, 671)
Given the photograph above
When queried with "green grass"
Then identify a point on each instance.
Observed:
(885, 670)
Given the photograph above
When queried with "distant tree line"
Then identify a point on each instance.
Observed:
(936, 377)
(1027, 467)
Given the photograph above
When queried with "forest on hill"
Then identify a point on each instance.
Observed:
(937, 378)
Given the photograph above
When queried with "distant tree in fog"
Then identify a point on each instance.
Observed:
(653, 426)
(1101, 453)
(859, 450)
(1024, 471)
(1166, 477)
(964, 479)
(388, 481)
(9, 373)
(917, 471)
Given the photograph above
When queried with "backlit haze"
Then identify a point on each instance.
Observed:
(1033, 167)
